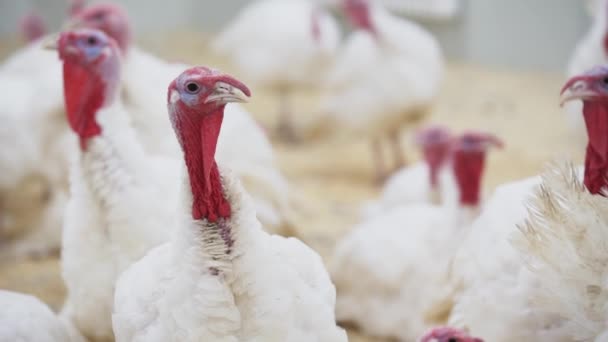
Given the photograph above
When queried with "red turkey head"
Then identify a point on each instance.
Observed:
(447, 334)
(468, 163)
(435, 143)
(592, 88)
(196, 101)
(109, 18)
(32, 26)
(359, 14)
(91, 74)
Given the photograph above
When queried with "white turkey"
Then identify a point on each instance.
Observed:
(281, 44)
(492, 272)
(424, 182)
(122, 199)
(144, 87)
(221, 277)
(387, 73)
(35, 139)
(25, 318)
(564, 238)
(389, 268)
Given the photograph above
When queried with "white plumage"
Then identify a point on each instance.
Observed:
(485, 273)
(281, 44)
(564, 243)
(272, 42)
(221, 277)
(384, 78)
(122, 203)
(269, 288)
(411, 185)
(489, 285)
(243, 146)
(390, 268)
(25, 318)
(33, 142)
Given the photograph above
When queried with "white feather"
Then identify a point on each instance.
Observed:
(272, 44)
(379, 81)
(412, 185)
(267, 288)
(122, 204)
(25, 318)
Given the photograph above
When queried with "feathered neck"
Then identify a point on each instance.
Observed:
(596, 157)
(198, 134)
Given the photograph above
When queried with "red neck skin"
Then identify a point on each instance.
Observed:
(316, 25)
(596, 157)
(85, 94)
(434, 156)
(362, 19)
(468, 169)
(198, 134)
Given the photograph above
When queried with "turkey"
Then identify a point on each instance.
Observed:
(492, 268)
(592, 50)
(145, 81)
(32, 27)
(281, 44)
(378, 269)
(448, 334)
(121, 198)
(35, 139)
(564, 237)
(387, 73)
(32, 145)
(25, 318)
(221, 277)
(423, 182)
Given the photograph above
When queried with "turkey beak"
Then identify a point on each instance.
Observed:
(577, 88)
(229, 90)
(51, 42)
(493, 141)
(72, 24)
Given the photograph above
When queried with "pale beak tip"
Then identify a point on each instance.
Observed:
(50, 43)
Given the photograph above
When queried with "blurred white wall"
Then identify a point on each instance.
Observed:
(530, 34)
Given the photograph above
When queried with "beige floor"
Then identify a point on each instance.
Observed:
(335, 176)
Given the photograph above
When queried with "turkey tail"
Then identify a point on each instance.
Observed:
(565, 244)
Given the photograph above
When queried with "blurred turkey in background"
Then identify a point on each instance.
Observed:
(400, 168)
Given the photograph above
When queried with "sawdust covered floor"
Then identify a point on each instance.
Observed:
(334, 176)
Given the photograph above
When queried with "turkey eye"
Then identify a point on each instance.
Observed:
(605, 81)
(192, 88)
(453, 339)
(91, 40)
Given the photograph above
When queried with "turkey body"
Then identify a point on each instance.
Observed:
(198, 287)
